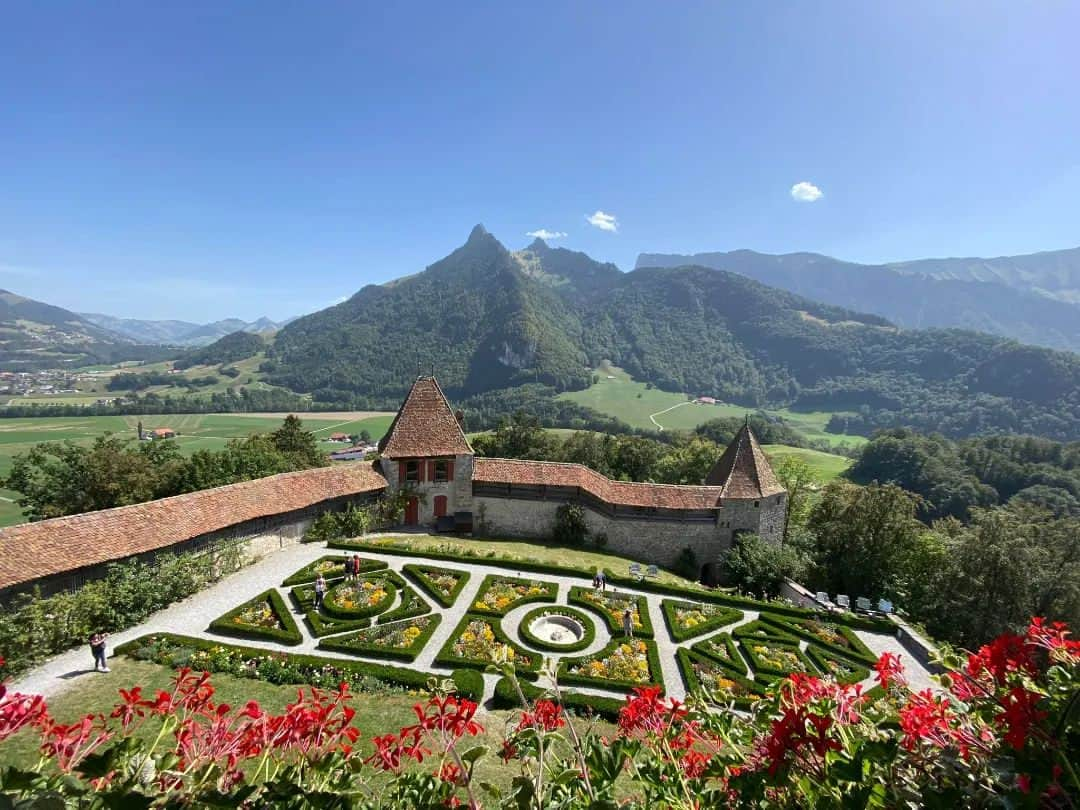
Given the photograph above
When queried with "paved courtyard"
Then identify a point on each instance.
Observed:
(193, 616)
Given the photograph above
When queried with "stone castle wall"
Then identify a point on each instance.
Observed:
(658, 541)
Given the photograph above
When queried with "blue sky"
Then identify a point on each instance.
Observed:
(202, 160)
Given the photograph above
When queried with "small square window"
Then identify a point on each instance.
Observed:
(757, 504)
(442, 470)
(412, 471)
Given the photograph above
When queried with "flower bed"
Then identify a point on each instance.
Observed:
(839, 667)
(331, 567)
(611, 606)
(303, 596)
(690, 619)
(177, 651)
(410, 606)
(442, 584)
(264, 617)
(825, 634)
(771, 658)
(764, 631)
(363, 597)
(478, 641)
(499, 595)
(722, 649)
(621, 666)
(587, 638)
(720, 684)
(402, 640)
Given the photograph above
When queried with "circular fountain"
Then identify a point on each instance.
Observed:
(557, 630)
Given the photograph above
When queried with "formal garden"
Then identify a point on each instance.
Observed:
(443, 673)
(407, 611)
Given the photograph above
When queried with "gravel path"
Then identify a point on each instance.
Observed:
(192, 616)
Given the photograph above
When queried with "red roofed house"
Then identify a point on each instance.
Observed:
(426, 452)
(339, 437)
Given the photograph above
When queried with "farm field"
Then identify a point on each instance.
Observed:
(824, 466)
(617, 394)
(196, 432)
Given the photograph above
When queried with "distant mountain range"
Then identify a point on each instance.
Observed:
(492, 320)
(179, 333)
(34, 335)
(1033, 298)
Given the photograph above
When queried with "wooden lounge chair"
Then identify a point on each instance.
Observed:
(864, 605)
(652, 571)
(844, 601)
(885, 606)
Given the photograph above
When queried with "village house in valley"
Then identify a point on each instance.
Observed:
(426, 456)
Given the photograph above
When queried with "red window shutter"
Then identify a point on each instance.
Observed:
(401, 471)
(450, 470)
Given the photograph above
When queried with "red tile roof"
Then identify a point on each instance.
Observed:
(620, 493)
(34, 550)
(425, 426)
(743, 470)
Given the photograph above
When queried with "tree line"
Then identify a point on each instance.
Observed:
(54, 479)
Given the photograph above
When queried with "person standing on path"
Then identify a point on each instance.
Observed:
(628, 623)
(320, 592)
(97, 649)
(603, 582)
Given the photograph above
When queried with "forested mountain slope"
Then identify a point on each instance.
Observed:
(990, 295)
(488, 320)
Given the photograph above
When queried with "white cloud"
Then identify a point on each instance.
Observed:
(544, 233)
(605, 222)
(805, 192)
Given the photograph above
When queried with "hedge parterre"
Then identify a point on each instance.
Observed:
(691, 619)
(264, 617)
(612, 606)
(620, 666)
(441, 584)
(331, 567)
(403, 640)
(478, 641)
(498, 595)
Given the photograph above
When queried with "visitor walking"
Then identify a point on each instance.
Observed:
(603, 582)
(97, 649)
(320, 592)
(628, 623)
(355, 566)
(596, 582)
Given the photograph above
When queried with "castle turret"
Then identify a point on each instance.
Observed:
(753, 499)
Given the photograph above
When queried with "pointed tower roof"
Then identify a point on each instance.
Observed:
(743, 470)
(424, 426)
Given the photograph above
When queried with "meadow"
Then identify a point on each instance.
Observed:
(617, 394)
(196, 432)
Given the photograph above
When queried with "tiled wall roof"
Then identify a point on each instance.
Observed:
(620, 493)
(35, 550)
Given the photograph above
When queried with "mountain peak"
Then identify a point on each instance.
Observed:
(477, 234)
(537, 245)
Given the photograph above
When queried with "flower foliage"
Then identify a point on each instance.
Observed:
(1000, 729)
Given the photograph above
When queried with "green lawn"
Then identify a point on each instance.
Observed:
(824, 466)
(377, 713)
(196, 432)
(615, 393)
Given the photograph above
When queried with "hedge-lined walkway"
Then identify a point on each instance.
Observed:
(192, 617)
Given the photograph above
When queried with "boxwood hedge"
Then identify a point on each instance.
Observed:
(580, 596)
(548, 592)
(822, 657)
(587, 638)
(656, 676)
(353, 645)
(763, 668)
(288, 633)
(733, 661)
(686, 659)
(855, 648)
(303, 596)
(309, 573)
(764, 631)
(410, 606)
(393, 581)
(725, 616)
(506, 697)
(417, 573)
(447, 658)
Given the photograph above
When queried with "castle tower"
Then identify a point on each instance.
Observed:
(426, 452)
(753, 498)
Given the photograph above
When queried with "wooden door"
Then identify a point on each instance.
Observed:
(440, 506)
(412, 512)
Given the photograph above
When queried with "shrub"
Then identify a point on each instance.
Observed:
(35, 627)
(761, 567)
(468, 683)
(687, 564)
(570, 528)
